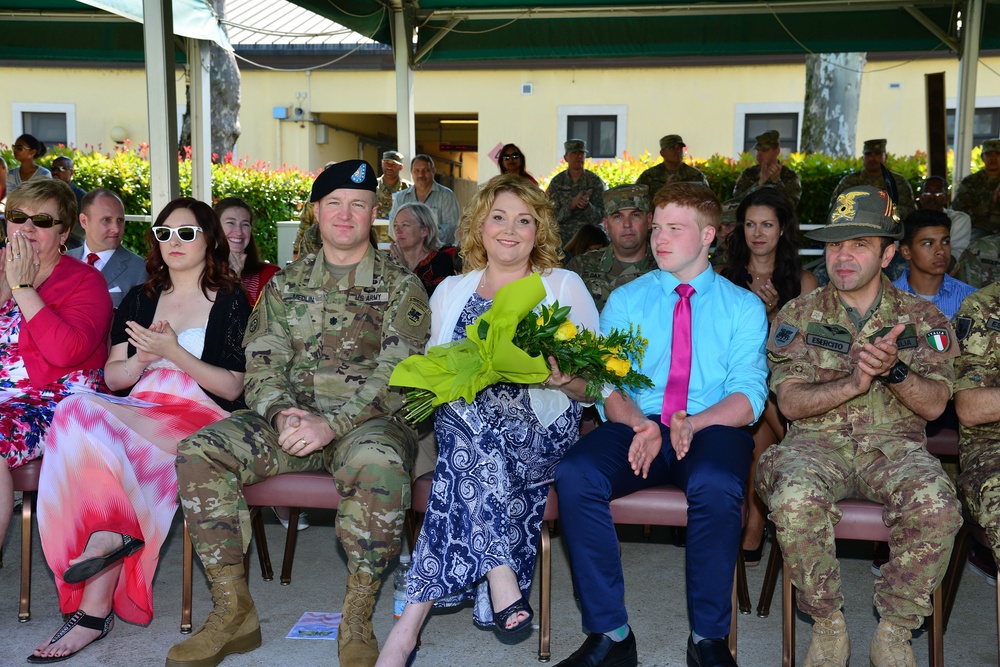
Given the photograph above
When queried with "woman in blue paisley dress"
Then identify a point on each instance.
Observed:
(497, 455)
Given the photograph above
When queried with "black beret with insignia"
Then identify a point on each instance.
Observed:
(350, 174)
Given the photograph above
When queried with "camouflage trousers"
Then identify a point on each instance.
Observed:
(980, 487)
(370, 467)
(800, 479)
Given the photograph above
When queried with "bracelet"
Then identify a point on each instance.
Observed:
(131, 377)
(22, 286)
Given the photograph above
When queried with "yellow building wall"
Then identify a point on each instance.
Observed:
(703, 104)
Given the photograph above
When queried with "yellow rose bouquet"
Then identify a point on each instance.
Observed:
(511, 342)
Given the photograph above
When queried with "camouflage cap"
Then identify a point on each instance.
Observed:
(671, 140)
(393, 156)
(729, 211)
(574, 145)
(350, 174)
(767, 141)
(622, 197)
(874, 146)
(860, 211)
(991, 146)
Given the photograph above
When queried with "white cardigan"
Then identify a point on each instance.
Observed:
(566, 287)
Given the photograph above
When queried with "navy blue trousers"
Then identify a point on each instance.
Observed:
(713, 475)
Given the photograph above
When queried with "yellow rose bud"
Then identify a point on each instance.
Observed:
(540, 321)
(619, 367)
(566, 331)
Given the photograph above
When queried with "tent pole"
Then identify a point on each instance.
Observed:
(161, 100)
(402, 38)
(972, 29)
(199, 63)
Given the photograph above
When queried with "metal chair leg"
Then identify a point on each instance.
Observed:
(545, 597)
(187, 569)
(770, 580)
(290, 540)
(27, 509)
(260, 539)
(787, 621)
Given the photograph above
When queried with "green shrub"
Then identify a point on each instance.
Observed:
(819, 174)
(274, 194)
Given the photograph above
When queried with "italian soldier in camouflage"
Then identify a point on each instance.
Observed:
(727, 225)
(320, 348)
(389, 182)
(673, 169)
(873, 158)
(979, 194)
(628, 257)
(860, 367)
(768, 172)
(979, 265)
(576, 194)
(977, 393)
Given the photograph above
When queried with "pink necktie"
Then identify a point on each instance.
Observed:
(92, 258)
(676, 394)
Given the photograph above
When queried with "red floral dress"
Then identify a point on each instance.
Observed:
(25, 410)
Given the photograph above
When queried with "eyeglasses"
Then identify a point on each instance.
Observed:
(186, 233)
(511, 156)
(40, 220)
(19, 147)
(62, 168)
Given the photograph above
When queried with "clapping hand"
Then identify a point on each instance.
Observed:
(156, 342)
(646, 444)
(768, 295)
(681, 433)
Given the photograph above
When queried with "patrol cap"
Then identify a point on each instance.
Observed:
(671, 140)
(874, 146)
(351, 174)
(860, 211)
(623, 197)
(393, 156)
(767, 141)
(574, 145)
(991, 146)
(729, 211)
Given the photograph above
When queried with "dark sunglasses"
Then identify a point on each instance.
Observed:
(511, 156)
(187, 233)
(40, 220)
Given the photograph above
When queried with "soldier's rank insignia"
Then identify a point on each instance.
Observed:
(938, 339)
(963, 327)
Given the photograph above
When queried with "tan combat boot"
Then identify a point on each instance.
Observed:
(355, 638)
(231, 627)
(830, 646)
(891, 646)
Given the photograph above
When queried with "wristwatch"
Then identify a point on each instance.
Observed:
(896, 374)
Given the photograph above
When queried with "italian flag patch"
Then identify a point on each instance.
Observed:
(938, 339)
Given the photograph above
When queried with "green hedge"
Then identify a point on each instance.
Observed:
(819, 173)
(274, 194)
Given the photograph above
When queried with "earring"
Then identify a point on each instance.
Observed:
(63, 249)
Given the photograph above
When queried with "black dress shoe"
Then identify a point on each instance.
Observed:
(599, 650)
(710, 653)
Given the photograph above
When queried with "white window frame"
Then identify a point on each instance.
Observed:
(619, 111)
(18, 108)
(753, 108)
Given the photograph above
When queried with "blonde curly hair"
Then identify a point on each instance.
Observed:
(546, 254)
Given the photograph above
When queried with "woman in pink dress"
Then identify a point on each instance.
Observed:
(108, 490)
(237, 224)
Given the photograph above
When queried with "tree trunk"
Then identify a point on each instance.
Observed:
(224, 85)
(833, 91)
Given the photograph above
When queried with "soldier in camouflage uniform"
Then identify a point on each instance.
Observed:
(979, 265)
(979, 194)
(977, 395)
(873, 157)
(860, 366)
(576, 194)
(718, 256)
(390, 182)
(628, 257)
(768, 172)
(320, 348)
(673, 169)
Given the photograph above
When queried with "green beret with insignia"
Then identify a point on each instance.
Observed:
(767, 141)
(575, 145)
(623, 197)
(671, 140)
(350, 174)
(874, 146)
(991, 146)
(859, 211)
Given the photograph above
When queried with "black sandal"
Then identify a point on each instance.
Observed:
(84, 570)
(500, 618)
(84, 621)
